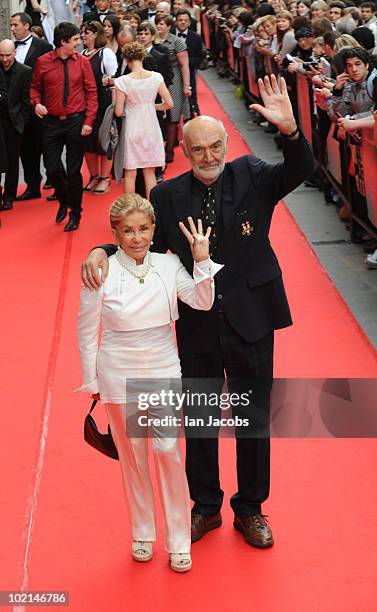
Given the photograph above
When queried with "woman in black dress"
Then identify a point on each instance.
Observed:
(111, 25)
(104, 63)
(34, 9)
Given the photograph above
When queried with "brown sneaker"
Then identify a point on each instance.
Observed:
(200, 525)
(255, 529)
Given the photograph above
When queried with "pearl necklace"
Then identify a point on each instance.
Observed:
(139, 276)
(88, 53)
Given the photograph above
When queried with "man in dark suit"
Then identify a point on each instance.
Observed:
(101, 10)
(195, 50)
(126, 35)
(237, 200)
(157, 58)
(3, 108)
(179, 5)
(28, 49)
(14, 117)
(149, 13)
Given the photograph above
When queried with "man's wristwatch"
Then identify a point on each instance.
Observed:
(292, 134)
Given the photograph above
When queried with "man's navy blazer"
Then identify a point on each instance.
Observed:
(249, 289)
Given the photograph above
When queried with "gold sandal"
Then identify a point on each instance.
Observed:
(142, 551)
(180, 562)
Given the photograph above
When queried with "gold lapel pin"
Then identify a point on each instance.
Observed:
(247, 228)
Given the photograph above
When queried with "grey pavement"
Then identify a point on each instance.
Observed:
(342, 259)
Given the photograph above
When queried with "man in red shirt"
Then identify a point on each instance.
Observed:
(64, 95)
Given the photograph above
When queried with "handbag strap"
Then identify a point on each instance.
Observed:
(91, 410)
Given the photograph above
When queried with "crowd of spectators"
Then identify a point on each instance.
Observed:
(334, 44)
(56, 90)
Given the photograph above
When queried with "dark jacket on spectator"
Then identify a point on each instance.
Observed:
(94, 16)
(19, 107)
(195, 48)
(37, 48)
(159, 60)
(3, 106)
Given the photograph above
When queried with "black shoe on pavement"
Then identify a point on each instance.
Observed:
(61, 214)
(72, 225)
(312, 183)
(47, 185)
(28, 195)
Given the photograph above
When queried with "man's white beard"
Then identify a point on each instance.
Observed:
(210, 175)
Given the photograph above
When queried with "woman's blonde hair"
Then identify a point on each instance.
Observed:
(127, 204)
(270, 18)
(134, 51)
(345, 40)
(283, 14)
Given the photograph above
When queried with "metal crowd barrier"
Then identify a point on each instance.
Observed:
(304, 106)
(252, 80)
(369, 154)
(332, 155)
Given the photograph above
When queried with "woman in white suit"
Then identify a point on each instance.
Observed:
(136, 306)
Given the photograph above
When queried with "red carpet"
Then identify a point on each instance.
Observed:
(64, 523)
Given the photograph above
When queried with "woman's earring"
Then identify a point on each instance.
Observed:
(151, 242)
